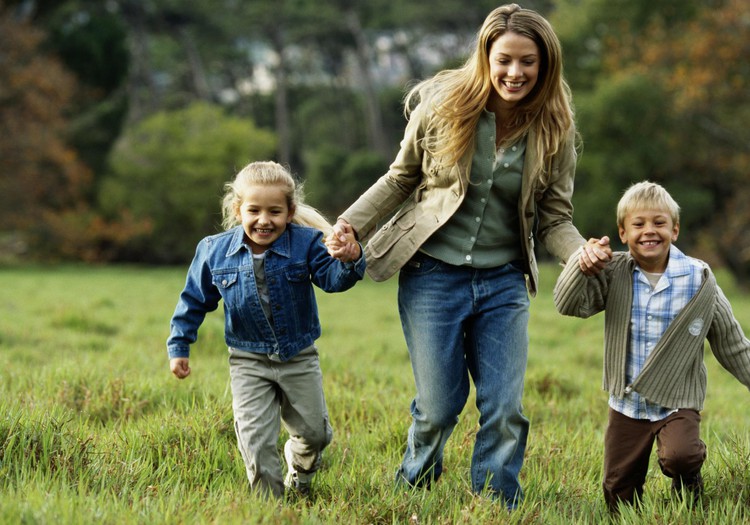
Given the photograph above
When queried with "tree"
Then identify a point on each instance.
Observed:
(170, 170)
(663, 93)
(41, 177)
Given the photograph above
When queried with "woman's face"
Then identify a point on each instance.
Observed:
(514, 69)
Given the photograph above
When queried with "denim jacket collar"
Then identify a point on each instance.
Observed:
(281, 246)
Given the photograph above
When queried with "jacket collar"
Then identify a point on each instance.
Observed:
(282, 246)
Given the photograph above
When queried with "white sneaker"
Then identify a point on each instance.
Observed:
(296, 481)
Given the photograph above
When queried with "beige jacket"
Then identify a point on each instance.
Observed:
(429, 193)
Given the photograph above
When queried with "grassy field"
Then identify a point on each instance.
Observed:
(94, 429)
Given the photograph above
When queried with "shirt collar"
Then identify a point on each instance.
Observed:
(678, 264)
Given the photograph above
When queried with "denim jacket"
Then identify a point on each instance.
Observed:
(223, 269)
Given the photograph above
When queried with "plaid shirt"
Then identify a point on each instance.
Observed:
(653, 310)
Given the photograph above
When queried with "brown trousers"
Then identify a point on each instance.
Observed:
(627, 447)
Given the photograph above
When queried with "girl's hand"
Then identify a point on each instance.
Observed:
(342, 243)
(180, 367)
(595, 255)
(345, 251)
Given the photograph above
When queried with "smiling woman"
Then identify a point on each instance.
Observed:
(486, 167)
(514, 70)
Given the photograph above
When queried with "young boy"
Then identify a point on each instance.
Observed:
(660, 307)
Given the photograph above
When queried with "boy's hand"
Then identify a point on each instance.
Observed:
(595, 255)
(180, 367)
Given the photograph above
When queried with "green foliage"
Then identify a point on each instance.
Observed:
(625, 125)
(170, 170)
(336, 177)
(93, 428)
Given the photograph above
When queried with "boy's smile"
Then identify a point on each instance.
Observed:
(649, 235)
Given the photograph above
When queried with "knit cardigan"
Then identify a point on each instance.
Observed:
(674, 374)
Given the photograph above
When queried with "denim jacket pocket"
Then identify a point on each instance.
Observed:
(226, 282)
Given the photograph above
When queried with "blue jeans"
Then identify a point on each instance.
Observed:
(460, 321)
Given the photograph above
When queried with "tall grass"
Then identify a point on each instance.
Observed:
(93, 428)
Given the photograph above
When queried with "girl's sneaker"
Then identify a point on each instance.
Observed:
(295, 481)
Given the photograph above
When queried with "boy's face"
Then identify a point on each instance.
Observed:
(648, 235)
(264, 214)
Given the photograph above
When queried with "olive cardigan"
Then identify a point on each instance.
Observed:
(674, 374)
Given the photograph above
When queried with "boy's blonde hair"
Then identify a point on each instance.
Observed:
(647, 196)
(269, 173)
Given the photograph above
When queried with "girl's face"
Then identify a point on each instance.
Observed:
(514, 69)
(264, 214)
(648, 235)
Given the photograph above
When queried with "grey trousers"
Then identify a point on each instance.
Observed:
(266, 393)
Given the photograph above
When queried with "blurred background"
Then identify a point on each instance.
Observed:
(120, 120)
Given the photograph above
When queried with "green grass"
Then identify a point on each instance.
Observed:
(94, 429)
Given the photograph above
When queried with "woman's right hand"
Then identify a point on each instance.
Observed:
(341, 229)
(338, 242)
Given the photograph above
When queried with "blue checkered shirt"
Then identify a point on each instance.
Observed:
(652, 312)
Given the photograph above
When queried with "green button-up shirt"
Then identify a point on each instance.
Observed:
(484, 231)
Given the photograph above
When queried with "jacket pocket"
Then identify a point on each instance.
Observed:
(393, 231)
(226, 283)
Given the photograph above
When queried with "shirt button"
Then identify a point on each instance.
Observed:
(473, 239)
(468, 257)
(477, 219)
(506, 164)
(502, 150)
(483, 200)
(514, 148)
(489, 181)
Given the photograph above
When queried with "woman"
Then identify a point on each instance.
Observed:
(486, 165)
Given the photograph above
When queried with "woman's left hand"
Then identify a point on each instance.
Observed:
(595, 255)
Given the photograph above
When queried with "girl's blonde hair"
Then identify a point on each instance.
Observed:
(457, 97)
(269, 173)
(647, 196)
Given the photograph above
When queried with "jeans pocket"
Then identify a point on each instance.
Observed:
(421, 264)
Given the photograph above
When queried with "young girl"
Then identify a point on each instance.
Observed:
(262, 267)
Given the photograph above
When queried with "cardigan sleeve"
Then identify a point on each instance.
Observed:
(577, 294)
(728, 342)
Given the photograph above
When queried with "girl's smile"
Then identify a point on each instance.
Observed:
(264, 213)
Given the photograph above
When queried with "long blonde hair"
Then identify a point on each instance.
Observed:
(457, 97)
(269, 173)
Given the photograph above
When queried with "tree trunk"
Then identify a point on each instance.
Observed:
(375, 134)
(284, 148)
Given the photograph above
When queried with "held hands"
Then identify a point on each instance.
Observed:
(342, 244)
(595, 255)
(180, 367)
